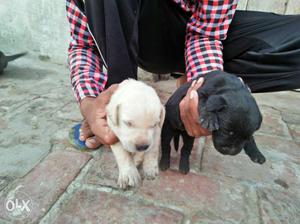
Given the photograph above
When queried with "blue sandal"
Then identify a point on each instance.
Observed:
(74, 135)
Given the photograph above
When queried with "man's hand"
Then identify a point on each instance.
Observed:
(189, 111)
(94, 129)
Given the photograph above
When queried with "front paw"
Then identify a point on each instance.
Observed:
(184, 166)
(258, 158)
(164, 163)
(129, 177)
(150, 171)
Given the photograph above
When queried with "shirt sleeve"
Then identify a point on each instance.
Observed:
(206, 29)
(87, 72)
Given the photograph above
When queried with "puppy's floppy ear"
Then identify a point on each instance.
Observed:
(208, 112)
(215, 103)
(115, 115)
(162, 116)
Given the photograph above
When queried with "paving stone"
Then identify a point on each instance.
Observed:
(91, 206)
(291, 118)
(273, 123)
(19, 159)
(285, 101)
(4, 181)
(193, 193)
(204, 218)
(277, 6)
(103, 170)
(43, 185)
(279, 165)
(293, 7)
(295, 132)
(272, 143)
(279, 206)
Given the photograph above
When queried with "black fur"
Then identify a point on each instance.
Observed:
(226, 108)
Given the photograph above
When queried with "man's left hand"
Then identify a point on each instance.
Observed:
(189, 111)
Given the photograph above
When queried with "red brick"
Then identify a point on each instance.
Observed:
(193, 193)
(45, 183)
(99, 207)
(279, 165)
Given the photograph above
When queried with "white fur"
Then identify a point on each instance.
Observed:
(135, 114)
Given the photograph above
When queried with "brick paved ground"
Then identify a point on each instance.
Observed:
(54, 183)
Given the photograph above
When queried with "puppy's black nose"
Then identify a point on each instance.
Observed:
(141, 147)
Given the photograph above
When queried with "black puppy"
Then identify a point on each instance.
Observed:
(5, 59)
(226, 108)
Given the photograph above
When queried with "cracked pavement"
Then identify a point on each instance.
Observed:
(37, 109)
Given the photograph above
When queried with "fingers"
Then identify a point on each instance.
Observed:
(103, 132)
(85, 131)
(93, 142)
(197, 84)
(93, 139)
(189, 111)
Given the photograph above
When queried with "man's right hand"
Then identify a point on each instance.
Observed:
(94, 129)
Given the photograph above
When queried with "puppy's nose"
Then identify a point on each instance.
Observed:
(141, 147)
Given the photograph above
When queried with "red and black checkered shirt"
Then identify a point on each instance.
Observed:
(206, 29)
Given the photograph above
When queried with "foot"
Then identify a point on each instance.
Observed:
(184, 166)
(91, 141)
(129, 177)
(150, 171)
(164, 163)
(258, 158)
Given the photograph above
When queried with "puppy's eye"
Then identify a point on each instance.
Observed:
(128, 123)
(227, 132)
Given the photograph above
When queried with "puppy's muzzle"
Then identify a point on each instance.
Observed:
(141, 148)
(229, 150)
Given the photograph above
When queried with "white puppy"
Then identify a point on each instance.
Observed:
(135, 114)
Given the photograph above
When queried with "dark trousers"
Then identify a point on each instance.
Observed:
(262, 48)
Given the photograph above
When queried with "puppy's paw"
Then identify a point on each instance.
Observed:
(150, 171)
(184, 166)
(259, 158)
(129, 177)
(164, 163)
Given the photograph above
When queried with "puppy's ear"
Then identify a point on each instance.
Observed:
(208, 112)
(162, 116)
(115, 115)
(215, 103)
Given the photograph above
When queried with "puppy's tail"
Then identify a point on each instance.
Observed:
(176, 141)
(15, 56)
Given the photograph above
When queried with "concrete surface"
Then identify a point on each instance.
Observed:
(63, 185)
